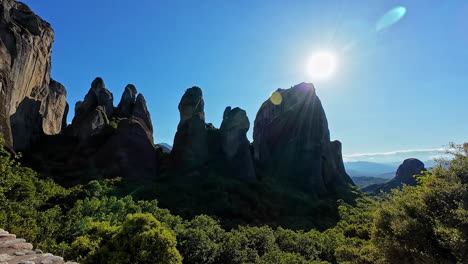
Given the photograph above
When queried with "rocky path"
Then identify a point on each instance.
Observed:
(17, 251)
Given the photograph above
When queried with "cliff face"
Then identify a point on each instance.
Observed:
(291, 137)
(404, 175)
(30, 103)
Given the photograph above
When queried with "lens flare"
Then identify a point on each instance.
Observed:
(390, 18)
(276, 98)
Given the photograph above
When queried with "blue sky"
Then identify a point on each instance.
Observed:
(402, 88)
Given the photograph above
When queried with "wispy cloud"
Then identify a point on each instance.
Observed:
(396, 152)
(398, 155)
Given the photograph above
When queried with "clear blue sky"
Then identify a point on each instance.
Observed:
(399, 89)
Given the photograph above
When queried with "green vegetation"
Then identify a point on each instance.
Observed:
(427, 223)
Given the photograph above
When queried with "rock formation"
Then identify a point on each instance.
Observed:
(124, 151)
(140, 111)
(234, 142)
(404, 175)
(17, 251)
(30, 103)
(127, 101)
(92, 114)
(291, 138)
(190, 141)
(129, 152)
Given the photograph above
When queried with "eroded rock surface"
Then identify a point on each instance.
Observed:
(17, 251)
(93, 113)
(292, 139)
(25, 65)
(234, 142)
(190, 142)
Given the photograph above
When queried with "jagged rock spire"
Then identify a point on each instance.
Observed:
(234, 142)
(190, 141)
(92, 114)
(192, 105)
(128, 100)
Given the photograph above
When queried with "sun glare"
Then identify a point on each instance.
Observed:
(321, 65)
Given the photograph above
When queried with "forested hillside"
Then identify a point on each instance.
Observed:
(427, 223)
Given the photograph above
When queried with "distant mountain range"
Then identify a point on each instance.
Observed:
(365, 173)
(165, 147)
(371, 169)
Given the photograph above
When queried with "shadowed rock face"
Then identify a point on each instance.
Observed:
(92, 114)
(190, 142)
(234, 142)
(291, 138)
(404, 175)
(128, 100)
(25, 64)
(123, 151)
(56, 109)
(140, 111)
(129, 152)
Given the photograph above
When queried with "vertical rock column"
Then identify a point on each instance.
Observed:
(234, 143)
(292, 139)
(190, 142)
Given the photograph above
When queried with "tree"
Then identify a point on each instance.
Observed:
(141, 239)
(427, 223)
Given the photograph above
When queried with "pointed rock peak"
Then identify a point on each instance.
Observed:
(131, 88)
(140, 110)
(97, 85)
(303, 86)
(99, 95)
(226, 112)
(192, 104)
(235, 119)
(128, 99)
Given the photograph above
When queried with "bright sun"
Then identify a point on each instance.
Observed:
(321, 65)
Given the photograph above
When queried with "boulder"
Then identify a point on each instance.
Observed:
(190, 141)
(292, 140)
(234, 142)
(25, 65)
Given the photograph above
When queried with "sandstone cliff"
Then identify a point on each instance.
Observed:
(31, 104)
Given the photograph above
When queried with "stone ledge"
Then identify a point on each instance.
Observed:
(17, 251)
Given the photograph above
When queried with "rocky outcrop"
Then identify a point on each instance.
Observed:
(190, 141)
(30, 103)
(234, 142)
(405, 175)
(292, 140)
(55, 109)
(92, 114)
(129, 152)
(127, 101)
(140, 111)
(117, 141)
(17, 251)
